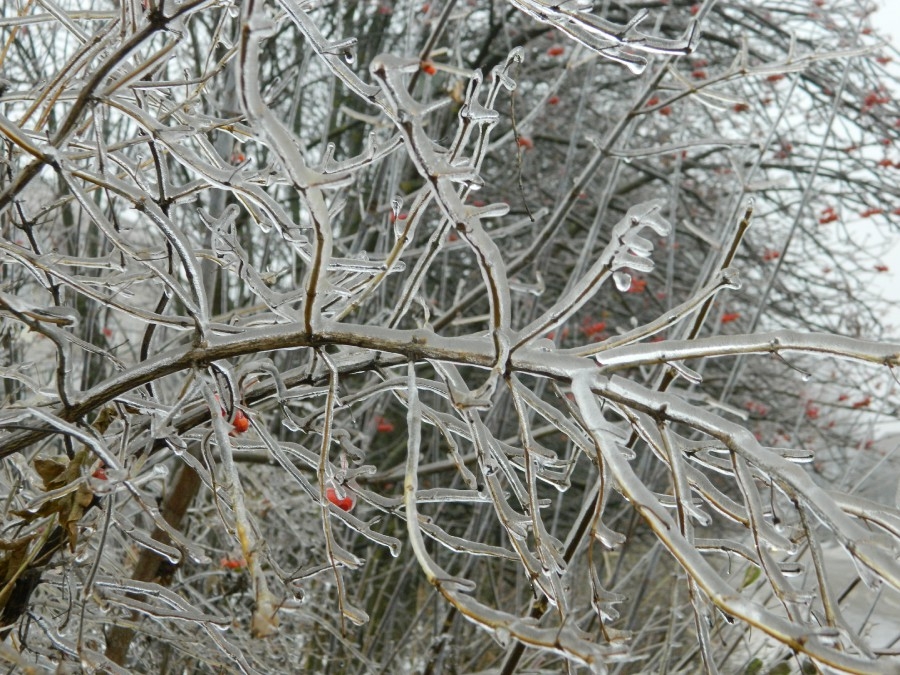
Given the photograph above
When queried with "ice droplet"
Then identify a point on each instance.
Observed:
(516, 55)
(866, 575)
(289, 424)
(791, 569)
(101, 486)
(502, 636)
(355, 614)
(830, 637)
(622, 280)
(731, 278)
(396, 205)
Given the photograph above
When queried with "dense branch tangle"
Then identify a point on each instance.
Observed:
(224, 305)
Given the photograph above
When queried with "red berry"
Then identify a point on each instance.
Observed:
(240, 423)
(637, 286)
(344, 504)
(829, 215)
(592, 328)
(556, 50)
(428, 68)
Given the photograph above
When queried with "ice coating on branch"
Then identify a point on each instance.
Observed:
(435, 165)
(713, 585)
(617, 42)
(501, 73)
(627, 250)
(265, 225)
(633, 250)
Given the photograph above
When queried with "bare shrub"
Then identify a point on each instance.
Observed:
(407, 337)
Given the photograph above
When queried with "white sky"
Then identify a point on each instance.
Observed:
(887, 21)
(888, 18)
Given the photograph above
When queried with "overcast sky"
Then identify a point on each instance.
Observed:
(889, 17)
(888, 21)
